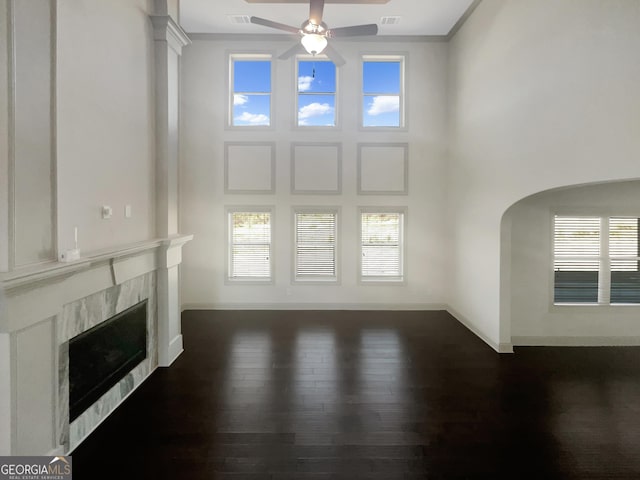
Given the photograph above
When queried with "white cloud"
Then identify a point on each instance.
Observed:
(252, 118)
(384, 104)
(240, 99)
(314, 110)
(304, 83)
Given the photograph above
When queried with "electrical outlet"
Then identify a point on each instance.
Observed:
(107, 211)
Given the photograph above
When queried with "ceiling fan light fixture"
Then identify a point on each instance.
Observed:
(314, 43)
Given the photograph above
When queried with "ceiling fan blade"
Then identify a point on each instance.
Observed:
(355, 31)
(279, 26)
(297, 48)
(315, 11)
(333, 55)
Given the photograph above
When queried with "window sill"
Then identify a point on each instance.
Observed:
(316, 281)
(248, 282)
(598, 308)
(382, 282)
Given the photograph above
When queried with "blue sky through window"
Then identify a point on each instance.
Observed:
(381, 89)
(251, 92)
(316, 93)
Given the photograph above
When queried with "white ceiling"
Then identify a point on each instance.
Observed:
(419, 17)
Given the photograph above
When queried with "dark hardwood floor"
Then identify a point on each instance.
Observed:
(368, 396)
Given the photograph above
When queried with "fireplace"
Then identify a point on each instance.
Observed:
(100, 357)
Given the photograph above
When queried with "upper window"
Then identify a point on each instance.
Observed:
(250, 246)
(382, 245)
(251, 91)
(383, 91)
(316, 250)
(316, 93)
(596, 260)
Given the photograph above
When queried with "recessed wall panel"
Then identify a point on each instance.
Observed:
(34, 387)
(33, 161)
(316, 168)
(383, 169)
(249, 168)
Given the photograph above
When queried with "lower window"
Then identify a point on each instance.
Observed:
(316, 251)
(382, 245)
(250, 245)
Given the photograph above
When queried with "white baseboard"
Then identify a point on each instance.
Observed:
(498, 347)
(534, 341)
(175, 349)
(315, 306)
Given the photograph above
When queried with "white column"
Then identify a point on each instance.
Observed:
(169, 330)
(169, 40)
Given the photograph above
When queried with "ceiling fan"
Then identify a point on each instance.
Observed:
(315, 33)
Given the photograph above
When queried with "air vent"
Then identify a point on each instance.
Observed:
(238, 19)
(389, 20)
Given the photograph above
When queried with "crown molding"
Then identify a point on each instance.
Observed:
(166, 29)
(266, 37)
(461, 21)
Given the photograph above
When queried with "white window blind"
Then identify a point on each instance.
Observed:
(623, 242)
(315, 245)
(250, 245)
(576, 259)
(381, 237)
(596, 260)
(624, 250)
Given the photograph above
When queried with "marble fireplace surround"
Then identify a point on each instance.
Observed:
(78, 317)
(43, 308)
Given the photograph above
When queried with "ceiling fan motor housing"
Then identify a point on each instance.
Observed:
(319, 29)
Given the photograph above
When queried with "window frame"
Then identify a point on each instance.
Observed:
(386, 281)
(336, 279)
(317, 58)
(604, 271)
(230, 92)
(403, 59)
(229, 211)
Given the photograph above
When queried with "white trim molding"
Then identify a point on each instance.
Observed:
(498, 347)
(165, 28)
(575, 341)
(317, 306)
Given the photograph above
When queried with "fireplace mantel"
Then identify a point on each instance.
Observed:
(39, 275)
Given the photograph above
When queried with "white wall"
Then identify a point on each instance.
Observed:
(105, 122)
(202, 201)
(535, 320)
(542, 94)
